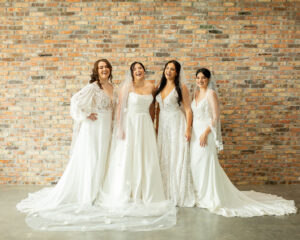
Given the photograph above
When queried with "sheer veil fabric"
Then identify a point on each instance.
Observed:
(132, 197)
(214, 104)
(137, 205)
(133, 185)
(214, 189)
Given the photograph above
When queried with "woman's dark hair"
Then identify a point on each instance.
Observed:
(204, 71)
(95, 75)
(163, 81)
(132, 68)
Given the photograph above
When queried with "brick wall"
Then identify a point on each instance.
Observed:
(48, 49)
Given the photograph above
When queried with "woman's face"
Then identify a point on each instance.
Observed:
(170, 71)
(138, 72)
(103, 70)
(201, 80)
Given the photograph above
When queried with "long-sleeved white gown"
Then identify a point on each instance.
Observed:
(132, 196)
(82, 180)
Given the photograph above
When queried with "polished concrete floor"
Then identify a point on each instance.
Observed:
(192, 223)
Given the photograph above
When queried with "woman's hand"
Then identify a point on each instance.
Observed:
(203, 139)
(93, 116)
(187, 134)
(121, 134)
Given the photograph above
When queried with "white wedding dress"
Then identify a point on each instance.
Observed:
(69, 204)
(133, 186)
(214, 190)
(173, 150)
(132, 198)
(82, 180)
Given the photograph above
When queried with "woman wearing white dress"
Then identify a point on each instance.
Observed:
(214, 190)
(174, 133)
(133, 184)
(81, 182)
(125, 195)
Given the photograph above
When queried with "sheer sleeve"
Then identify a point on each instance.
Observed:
(215, 124)
(81, 108)
(81, 103)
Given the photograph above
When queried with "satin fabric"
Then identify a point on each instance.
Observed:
(82, 180)
(214, 190)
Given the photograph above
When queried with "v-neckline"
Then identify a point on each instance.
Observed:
(200, 101)
(104, 93)
(163, 99)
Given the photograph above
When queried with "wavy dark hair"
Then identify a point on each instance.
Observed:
(204, 71)
(132, 68)
(95, 75)
(163, 81)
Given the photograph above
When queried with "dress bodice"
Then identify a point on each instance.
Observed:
(169, 104)
(173, 150)
(201, 110)
(139, 103)
(205, 116)
(101, 101)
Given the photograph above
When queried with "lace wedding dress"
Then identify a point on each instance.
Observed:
(81, 182)
(214, 190)
(132, 197)
(173, 150)
(57, 208)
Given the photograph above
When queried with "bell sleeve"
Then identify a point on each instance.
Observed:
(81, 103)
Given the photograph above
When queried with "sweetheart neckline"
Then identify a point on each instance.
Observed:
(141, 94)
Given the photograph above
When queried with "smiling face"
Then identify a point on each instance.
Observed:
(201, 80)
(103, 70)
(138, 72)
(170, 71)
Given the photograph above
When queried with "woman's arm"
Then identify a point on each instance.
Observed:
(214, 105)
(81, 103)
(188, 111)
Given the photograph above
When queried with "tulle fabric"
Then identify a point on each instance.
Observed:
(214, 190)
(174, 152)
(130, 217)
(132, 198)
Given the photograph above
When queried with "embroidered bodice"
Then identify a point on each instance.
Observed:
(101, 101)
(201, 110)
(169, 104)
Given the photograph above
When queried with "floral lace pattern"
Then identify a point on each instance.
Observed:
(90, 99)
(174, 152)
(202, 111)
(101, 101)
